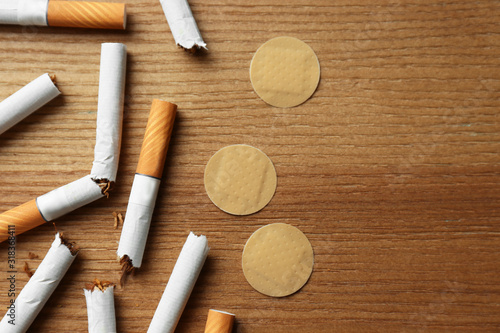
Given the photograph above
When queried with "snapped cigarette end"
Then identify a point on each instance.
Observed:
(73, 249)
(191, 50)
(101, 285)
(182, 24)
(84, 14)
(219, 322)
(127, 269)
(105, 185)
(99, 297)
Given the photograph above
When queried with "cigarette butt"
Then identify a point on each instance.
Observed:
(219, 322)
(145, 187)
(80, 14)
(24, 218)
(100, 307)
(157, 137)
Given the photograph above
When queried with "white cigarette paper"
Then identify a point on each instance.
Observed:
(180, 285)
(140, 209)
(101, 310)
(25, 101)
(109, 111)
(67, 198)
(182, 24)
(24, 12)
(38, 289)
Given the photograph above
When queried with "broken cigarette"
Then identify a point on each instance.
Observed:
(101, 307)
(77, 14)
(30, 301)
(109, 111)
(180, 285)
(87, 189)
(219, 322)
(146, 183)
(27, 100)
(182, 24)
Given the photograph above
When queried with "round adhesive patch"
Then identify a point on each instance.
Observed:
(240, 179)
(277, 260)
(284, 72)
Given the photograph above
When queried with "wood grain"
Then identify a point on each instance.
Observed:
(392, 168)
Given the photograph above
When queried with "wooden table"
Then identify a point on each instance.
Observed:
(391, 169)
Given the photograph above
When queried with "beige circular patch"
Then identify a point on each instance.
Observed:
(240, 179)
(277, 260)
(284, 72)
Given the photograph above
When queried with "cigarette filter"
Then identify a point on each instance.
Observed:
(109, 111)
(101, 309)
(87, 189)
(182, 24)
(219, 322)
(39, 288)
(180, 285)
(24, 217)
(78, 14)
(146, 181)
(27, 100)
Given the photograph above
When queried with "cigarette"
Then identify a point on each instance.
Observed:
(180, 285)
(41, 285)
(146, 183)
(85, 190)
(219, 322)
(76, 14)
(109, 111)
(27, 100)
(101, 307)
(182, 24)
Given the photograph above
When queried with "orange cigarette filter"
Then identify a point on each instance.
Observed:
(23, 218)
(157, 137)
(219, 322)
(81, 14)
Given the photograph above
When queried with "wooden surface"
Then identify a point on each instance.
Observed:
(391, 169)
